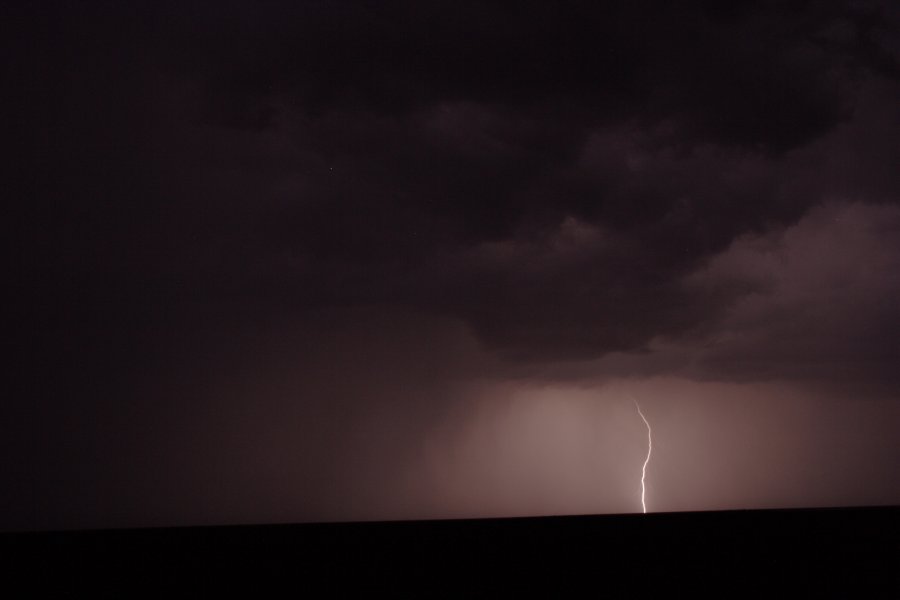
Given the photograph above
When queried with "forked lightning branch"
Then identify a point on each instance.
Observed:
(646, 460)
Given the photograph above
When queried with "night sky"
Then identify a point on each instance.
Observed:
(339, 260)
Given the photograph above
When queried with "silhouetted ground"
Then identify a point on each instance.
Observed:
(723, 554)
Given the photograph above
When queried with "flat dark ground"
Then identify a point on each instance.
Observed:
(765, 553)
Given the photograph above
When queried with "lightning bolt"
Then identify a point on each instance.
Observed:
(647, 460)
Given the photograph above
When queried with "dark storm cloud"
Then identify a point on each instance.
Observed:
(423, 130)
(773, 75)
(550, 175)
(824, 301)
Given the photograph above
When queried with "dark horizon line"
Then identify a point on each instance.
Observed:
(534, 519)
